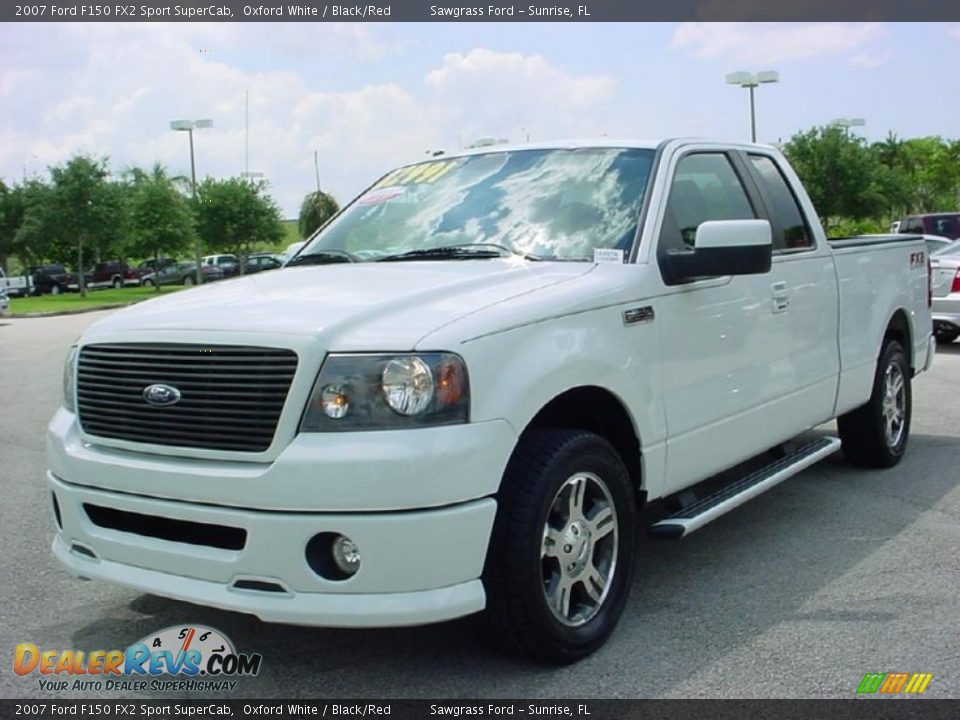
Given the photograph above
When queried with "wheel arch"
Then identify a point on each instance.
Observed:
(900, 329)
(600, 411)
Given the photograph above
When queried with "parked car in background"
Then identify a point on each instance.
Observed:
(945, 285)
(181, 273)
(169, 272)
(210, 273)
(4, 298)
(943, 224)
(51, 279)
(258, 262)
(112, 273)
(148, 266)
(12, 286)
(227, 262)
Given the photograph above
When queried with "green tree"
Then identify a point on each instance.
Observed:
(87, 212)
(26, 222)
(234, 215)
(843, 177)
(317, 208)
(161, 218)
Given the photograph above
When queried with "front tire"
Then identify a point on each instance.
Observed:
(117, 283)
(560, 563)
(188, 280)
(945, 337)
(55, 289)
(875, 435)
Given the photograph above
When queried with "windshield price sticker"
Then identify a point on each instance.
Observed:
(423, 173)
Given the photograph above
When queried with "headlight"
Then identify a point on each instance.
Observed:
(385, 392)
(70, 381)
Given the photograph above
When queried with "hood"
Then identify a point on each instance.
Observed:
(361, 306)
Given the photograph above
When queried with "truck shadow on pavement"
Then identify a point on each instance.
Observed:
(805, 559)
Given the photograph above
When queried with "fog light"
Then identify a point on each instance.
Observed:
(333, 556)
(346, 555)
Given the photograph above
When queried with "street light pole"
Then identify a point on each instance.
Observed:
(751, 81)
(847, 123)
(188, 126)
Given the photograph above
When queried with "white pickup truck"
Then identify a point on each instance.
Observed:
(458, 394)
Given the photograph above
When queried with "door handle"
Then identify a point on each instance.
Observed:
(780, 297)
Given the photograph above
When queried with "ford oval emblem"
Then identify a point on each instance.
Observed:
(161, 395)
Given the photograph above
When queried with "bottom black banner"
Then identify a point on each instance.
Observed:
(863, 708)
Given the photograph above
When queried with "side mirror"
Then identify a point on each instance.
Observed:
(725, 247)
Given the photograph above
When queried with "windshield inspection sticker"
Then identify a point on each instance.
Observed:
(607, 255)
(381, 195)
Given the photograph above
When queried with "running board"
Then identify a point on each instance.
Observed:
(723, 501)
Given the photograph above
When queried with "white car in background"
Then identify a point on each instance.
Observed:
(4, 299)
(945, 281)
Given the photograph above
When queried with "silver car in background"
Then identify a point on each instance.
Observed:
(945, 277)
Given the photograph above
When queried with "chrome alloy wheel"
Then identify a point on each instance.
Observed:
(894, 404)
(579, 552)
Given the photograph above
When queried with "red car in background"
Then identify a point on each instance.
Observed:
(945, 224)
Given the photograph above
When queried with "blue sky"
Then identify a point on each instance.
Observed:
(368, 97)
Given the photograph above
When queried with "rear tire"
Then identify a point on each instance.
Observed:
(875, 435)
(945, 337)
(55, 289)
(148, 283)
(560, 563)
(117, 283)
(188, 280)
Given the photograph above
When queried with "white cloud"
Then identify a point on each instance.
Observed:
(113, 88)
(871, 59)
(484, 92)
(772, 42)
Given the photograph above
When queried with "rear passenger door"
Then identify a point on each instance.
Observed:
(804, 297)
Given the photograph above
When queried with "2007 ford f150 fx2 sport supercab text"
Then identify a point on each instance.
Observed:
(457, 395)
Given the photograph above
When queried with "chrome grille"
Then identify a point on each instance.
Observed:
(231, 396)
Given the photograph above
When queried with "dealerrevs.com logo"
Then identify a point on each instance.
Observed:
(200, 658)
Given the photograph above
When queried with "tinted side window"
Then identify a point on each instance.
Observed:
(912, 225)
(705, 187)
(792, 232)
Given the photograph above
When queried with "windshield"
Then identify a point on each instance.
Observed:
(545, 204)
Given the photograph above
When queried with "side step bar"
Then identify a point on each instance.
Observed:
(723, 501)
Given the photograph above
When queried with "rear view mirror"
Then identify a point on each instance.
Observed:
(725, 247)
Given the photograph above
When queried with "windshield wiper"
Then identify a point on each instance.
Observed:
(322, 257)
(466, 251)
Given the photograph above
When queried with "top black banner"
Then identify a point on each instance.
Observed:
(434, 11)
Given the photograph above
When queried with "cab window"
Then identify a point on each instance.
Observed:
(790, 231)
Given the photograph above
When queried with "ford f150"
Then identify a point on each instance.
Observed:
(458, 393)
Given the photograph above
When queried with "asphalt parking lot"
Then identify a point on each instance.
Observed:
(833, 574)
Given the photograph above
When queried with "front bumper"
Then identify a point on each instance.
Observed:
(416, 503)
(416, 567)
